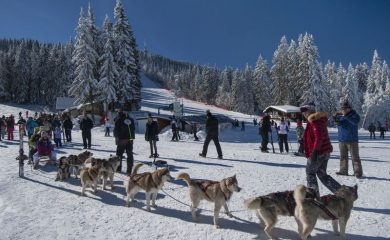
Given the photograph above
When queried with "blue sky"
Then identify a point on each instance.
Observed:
(218, 32)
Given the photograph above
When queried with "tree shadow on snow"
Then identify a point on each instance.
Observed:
(196, 162)
(329, 234)
(373, 210)
(376, 178)
(287, 165)
(225, 222)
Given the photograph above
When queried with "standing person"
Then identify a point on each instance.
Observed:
(371, 129)
(68, 125)
(57, 133)
(347, 124)
(195, 130)
(86, 125)
(30, 126)
(174, 130)
(299, 131)
(317, 149)
(242, 126)
(151, 135)
(107, 126)
(22, 121)
(382, 131)
(1, 128)
(10, 127)
(3, 125)
(265, 129)
(282, 130)
(124, 132)
(212, 134)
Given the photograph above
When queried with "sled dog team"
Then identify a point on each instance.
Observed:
(301, 203)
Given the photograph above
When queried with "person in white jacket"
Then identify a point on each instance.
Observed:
(107, 126)
(282, 133)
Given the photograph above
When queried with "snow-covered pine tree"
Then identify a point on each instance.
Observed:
(330, 75)
(108, 68)
(279, 73)
(223, 98)
(361, 73)
(84, 86)
(237, 89)
(294, 89)
(314, 87)
(22, 69)
(94, 32)
(128, 86)
(262, 84)
(350, 90)
(385, 77)
(373, 83)
(248, 93)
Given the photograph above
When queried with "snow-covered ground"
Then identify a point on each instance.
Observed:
(37, 207)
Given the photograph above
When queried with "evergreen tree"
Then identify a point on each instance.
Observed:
(279, 73)
(128, 85)
(293, 74)
(350, 90)
(108, 69)
(262, 84)
(223, 98)
(314, 87)
(84, 86)
(22, 70)
(373, 93)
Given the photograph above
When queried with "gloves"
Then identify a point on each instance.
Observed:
(314, 155)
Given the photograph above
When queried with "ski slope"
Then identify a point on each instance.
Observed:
(37, 207)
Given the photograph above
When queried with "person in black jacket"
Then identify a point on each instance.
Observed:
(212, 134)
(124, 132)
(264, 130)
(151, 135)
(68, 125)
(86, 125)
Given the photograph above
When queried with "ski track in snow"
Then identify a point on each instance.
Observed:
(37, 207)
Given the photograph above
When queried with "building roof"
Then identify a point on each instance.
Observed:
(63, 103)
(283, 108)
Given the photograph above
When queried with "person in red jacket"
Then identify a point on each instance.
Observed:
(44, 148)
(317, 149)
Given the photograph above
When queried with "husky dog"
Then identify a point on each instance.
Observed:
(77, 162)
(269, 207)
(151, 183)
(217, 192)
(108, 170)
(63, 169)
(89, 177)
(335, 207)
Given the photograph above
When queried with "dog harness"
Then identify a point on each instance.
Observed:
(137, 177)
(205, 184)
(324, 201)
(288, 197)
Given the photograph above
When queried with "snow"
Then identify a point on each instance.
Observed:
(37, 207)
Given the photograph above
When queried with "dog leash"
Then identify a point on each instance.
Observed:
(207, 210)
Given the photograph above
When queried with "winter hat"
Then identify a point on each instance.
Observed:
(345, 104)
(308, 107)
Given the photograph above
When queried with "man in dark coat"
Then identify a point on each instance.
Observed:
(151, 135)
(212, 134)
(68, 125)
(86, 125)
(264, 130)
(124, 132)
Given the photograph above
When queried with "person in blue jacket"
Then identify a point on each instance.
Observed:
(347, 124)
